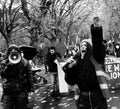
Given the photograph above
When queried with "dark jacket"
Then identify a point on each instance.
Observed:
(98, 46)
(50, 58)
(83, 72)
(17, 78)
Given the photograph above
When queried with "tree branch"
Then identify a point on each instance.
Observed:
(25, 9)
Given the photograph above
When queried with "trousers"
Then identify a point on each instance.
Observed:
(91, 100)
(15, 101)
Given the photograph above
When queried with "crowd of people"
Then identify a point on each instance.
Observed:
(112, 47)
(80, 69)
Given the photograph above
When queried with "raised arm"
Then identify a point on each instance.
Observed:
(97, 41)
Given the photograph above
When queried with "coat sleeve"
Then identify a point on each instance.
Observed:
(70, 76)
(5, 70)
(70, 73)
(97, 41)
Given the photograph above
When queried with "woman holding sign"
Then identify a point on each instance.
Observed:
(81, 70)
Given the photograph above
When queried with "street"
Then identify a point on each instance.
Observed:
(41, 99)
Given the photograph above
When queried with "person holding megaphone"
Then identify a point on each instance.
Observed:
(18, 81)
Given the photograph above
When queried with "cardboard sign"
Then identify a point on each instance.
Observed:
(63, 86)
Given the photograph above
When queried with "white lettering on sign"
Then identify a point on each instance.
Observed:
(114, 75)
(109, 68)
(112, 67)
(111, 60)
(116, 67)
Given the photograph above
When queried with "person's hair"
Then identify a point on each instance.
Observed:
(11, 47)
(96, 18)
(53, 48)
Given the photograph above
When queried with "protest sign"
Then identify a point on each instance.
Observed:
(112, 67)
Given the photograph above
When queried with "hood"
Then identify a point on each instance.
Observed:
(89, 47)
(89, 41)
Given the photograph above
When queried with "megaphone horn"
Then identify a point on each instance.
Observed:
(14, 57)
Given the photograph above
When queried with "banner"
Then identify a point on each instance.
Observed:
(112, 67)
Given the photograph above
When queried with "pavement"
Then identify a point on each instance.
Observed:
(114, 100)
(41, 99)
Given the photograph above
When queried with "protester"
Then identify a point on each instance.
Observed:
(51, 56)
(81, 70)
(18, 80)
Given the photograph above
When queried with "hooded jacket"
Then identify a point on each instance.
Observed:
(83, 73)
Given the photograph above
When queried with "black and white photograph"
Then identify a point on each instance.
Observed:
(59, 54)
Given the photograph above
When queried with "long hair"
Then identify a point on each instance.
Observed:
(88, 52)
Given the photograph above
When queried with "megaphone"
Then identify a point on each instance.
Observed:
(14, 57)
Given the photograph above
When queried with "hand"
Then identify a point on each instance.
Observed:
(96, 21)
(69, 60)
(72, 63)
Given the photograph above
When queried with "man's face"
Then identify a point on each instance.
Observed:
(83, 48)
(52, 51)
(96, 20)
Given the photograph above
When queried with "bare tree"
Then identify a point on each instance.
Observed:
(65, 14)
(55, 19)
(113, 9)
(34, 16)
(10, 19)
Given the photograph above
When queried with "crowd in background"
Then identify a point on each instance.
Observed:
(112, 48)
